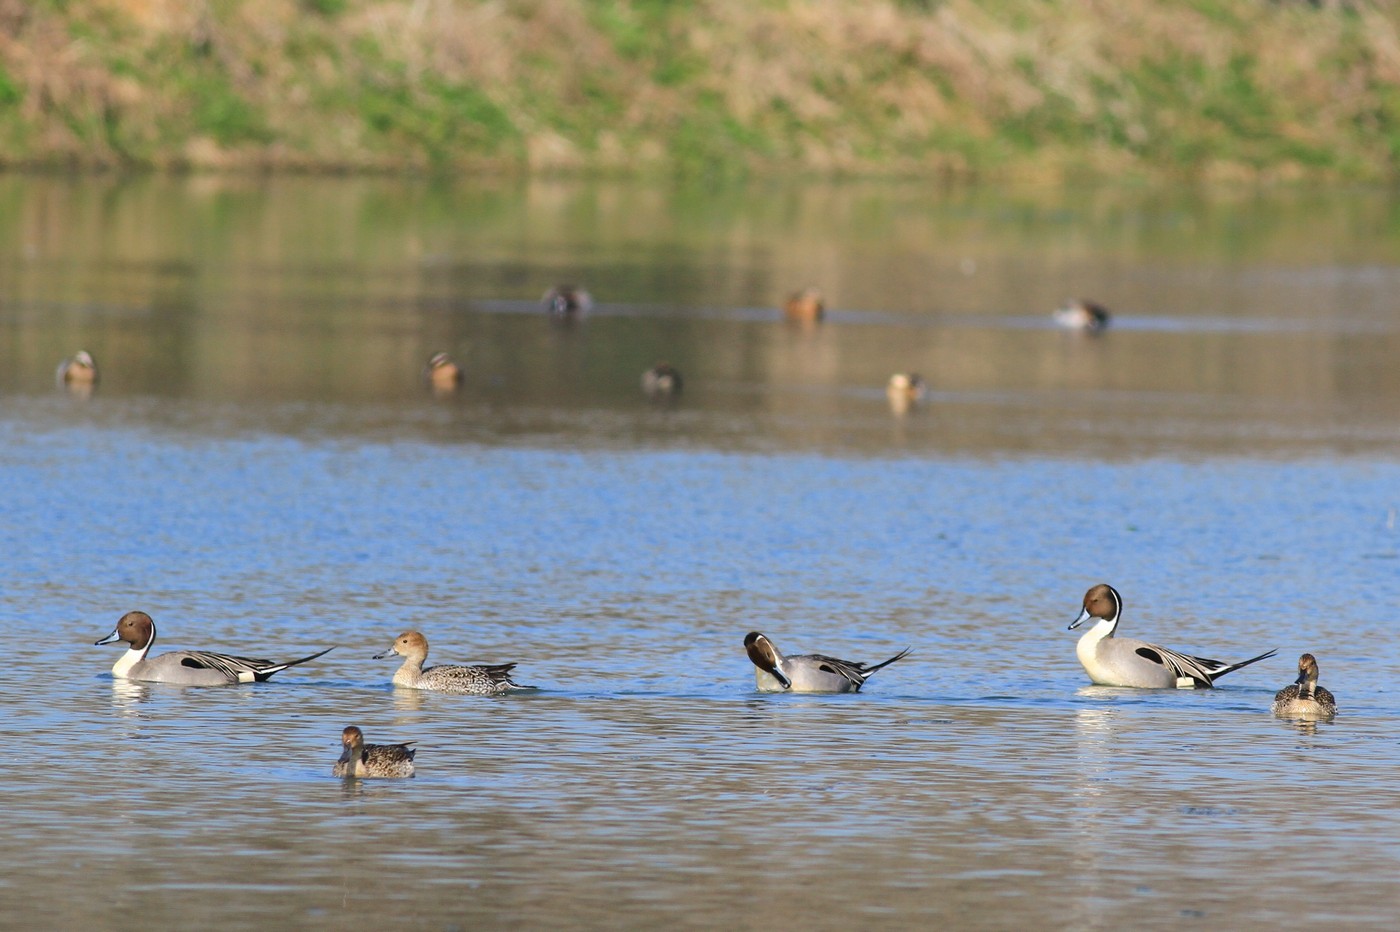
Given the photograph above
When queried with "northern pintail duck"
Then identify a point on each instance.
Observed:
(479, 680)
(372, 760)
(662, 380)
(1112, 661)
(185, 667)
(442, 374)
(904, 390)
(567, 301)
(805, 306)
(1079, 314)
(806, 673)
(1304, 698)
(78, 369)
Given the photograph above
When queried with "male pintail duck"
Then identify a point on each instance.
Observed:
(567, 302)
(1304, 698)
(662, 380)
(806, 673)
(442, 374)
(480, 680)
(904, 390)
(372, 760)
(78, 369)
(805, 306)
(1112, 661)
(1078, 314)
(184, 667)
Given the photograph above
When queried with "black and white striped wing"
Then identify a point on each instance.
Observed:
(1201, 669)
(850, 669)
(235, 668)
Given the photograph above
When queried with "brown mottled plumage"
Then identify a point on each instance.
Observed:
(372, 760)
(480, 680)
(1304, 698)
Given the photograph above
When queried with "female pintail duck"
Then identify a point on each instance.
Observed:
(480, 680)
(662, 380)
(1112, 661)
(372, 760)
(78, 369)
(184, 667)
(442, 374)
(567, 302)
(1079, 314)
(806, 673)
(805, 306)
(1304, 698)
(904, 390)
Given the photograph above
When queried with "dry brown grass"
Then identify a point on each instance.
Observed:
(1214, 88)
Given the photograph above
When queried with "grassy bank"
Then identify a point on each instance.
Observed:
(1001, 88)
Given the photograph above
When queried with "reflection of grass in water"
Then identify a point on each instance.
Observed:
(700, 88)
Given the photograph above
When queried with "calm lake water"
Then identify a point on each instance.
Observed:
(262, 470)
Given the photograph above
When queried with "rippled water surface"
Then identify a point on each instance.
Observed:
(262, 471)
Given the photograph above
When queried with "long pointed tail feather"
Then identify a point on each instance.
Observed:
(899, 656)
(264, 673)
(1243, 663)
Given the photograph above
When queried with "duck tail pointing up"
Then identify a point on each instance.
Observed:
(899, 656)
(1243, 663)
(266, 672)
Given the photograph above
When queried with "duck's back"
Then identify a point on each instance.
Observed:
(194, 668)
(1289, 702)
(817, 673)
(484, 680)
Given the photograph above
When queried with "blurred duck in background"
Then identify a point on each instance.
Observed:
(442, 374)
(662, 380)
(806, 306)
(567, 302)
(904, 390)
(78, 373)
(1084, 316)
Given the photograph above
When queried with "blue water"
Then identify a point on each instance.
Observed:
(273, 481)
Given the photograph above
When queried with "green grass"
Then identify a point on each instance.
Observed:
(700, 88)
